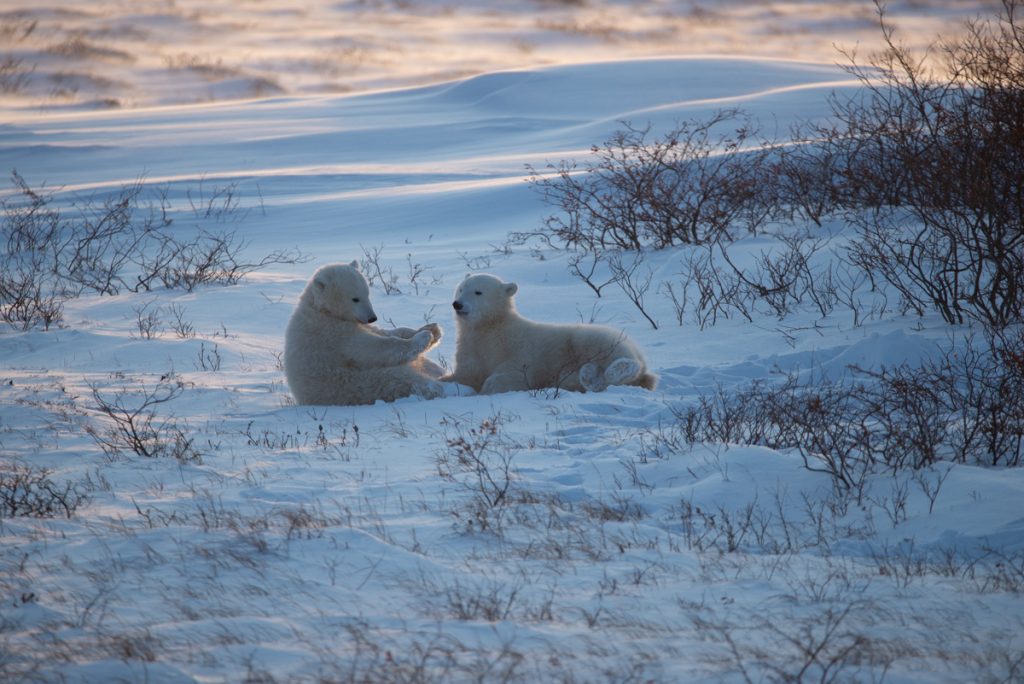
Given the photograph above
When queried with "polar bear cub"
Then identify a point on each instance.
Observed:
(497, 350)
(333, 355)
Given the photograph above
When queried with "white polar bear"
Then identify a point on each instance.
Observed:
(332, 355)
(497, 350)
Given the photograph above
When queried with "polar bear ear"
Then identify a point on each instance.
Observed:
(354, 264)
(511, 289)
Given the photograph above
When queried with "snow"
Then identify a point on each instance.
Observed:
(323, 543)
(104, 53)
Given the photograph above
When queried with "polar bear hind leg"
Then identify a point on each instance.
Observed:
(622, 371)
(591, 378)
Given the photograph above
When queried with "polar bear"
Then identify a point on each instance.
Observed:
(333, 355)
(497, 350)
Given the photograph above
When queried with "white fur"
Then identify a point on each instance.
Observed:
(333, 355)
(497, 350)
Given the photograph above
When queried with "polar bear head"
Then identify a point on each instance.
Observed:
(340, 291)
(482, 297)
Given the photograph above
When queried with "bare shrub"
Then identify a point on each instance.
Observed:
(89, 251)
(327, 440)
(712, 284)
(221, 202)
(785, 278)
(997, 570)
(208, 359)
(417, 275)
(206, 259)
(590, 267)
(926, 164)
(632, 280)
(702, 188)
(694, 185)
(182, 327)
(805, 176)
(716, 292)
(819, 420)
(966, 404)
(29, 491)
(27, 297)
(942, 151)
(371, 654)
(825, 648)
(379, 272)
(147, 320)
(307, 523)
(45, 259)
(376, 272)
(207, 67)
(830, 646)
(14, 75)
(479, 458)
(721, 529)
(132, 425)
(107, 245)
(485, 600)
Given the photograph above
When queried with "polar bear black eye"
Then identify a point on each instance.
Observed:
(355, 299)
(478, 292)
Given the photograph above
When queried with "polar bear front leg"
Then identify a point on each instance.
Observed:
(404, 333)
(430, 389)
(407, 333)
(508, 381)
(379, 351)
(419, 343)
(435, 332)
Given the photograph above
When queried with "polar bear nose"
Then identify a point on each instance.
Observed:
(371, 319)
(457, 305)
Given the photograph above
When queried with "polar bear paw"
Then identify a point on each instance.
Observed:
(432, 389)
(435, 332)
(421, 341)
(590, 378)
(622, 371)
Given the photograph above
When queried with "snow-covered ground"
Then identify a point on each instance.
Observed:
(109, 53)
(335, 543)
